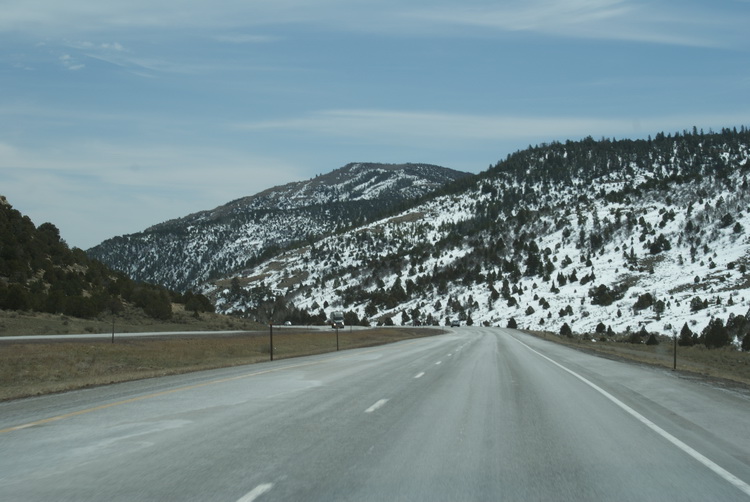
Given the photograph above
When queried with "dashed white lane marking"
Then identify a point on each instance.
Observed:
(419, 375)
(439, 362)
(256, 492)
(375, 406)
(724, 474)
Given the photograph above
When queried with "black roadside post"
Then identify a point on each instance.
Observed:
(271, 326)
(337, 338)
(113, 328)
(674, 367)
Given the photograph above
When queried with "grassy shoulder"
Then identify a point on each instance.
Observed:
(726, 363)
(43, 367)
(131, 320)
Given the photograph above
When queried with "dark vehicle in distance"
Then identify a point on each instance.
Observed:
(337, 319)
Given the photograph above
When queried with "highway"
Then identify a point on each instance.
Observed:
(153, 334)
(475, 414)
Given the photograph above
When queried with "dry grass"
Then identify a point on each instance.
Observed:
(725, 364)
(13, 323)
(34, 368)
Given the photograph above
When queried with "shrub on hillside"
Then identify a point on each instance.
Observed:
(660, 244)
(155, 302)
(697, 304)
(644, 301)
(638, 336)
(566, 331)
(602, 295)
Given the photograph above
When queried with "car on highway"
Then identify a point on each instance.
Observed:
(455, 323)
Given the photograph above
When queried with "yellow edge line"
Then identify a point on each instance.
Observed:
(172, 391)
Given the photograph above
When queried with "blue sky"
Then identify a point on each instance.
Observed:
(115, 116)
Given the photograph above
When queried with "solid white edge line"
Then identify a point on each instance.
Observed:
(723, 473)
(256, 492)
(375, 406)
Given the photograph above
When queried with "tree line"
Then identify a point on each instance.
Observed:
(39, 272)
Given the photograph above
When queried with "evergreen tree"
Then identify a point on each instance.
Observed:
(404, 318)
(644, 301)
(686, 338)
(697, 304)
(351, 318)
(602, 295)
(397, 292)
(566, 331)
(715, 335)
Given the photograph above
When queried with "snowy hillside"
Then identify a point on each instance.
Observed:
(181, 254)
(628, 234)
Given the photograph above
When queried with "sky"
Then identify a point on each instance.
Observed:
(115, 116)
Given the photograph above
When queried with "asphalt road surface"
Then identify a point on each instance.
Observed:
(476, 414)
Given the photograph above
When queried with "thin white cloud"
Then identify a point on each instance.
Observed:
(246, 38)
(113, 46)
(142, 165)
(450, 130)
(136, 62)
(708, 25)
(51, 18)
(70, 63)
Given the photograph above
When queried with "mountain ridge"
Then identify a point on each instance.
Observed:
(640, 237)
(184, 252)
(621, 234)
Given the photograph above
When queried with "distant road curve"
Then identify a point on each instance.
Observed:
(100, 336)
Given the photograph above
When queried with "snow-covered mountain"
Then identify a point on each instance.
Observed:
(592, 234)
(182, 253)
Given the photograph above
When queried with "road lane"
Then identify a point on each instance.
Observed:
(494, 420)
